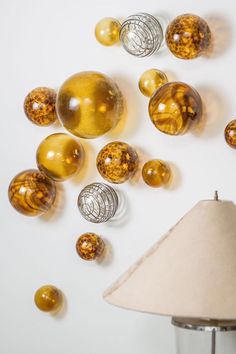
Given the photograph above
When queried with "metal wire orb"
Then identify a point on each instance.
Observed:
(98, 202)
(141, 35)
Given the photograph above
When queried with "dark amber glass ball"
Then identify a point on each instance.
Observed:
(230, 134)
(90, 246)
(173, 106)
(39, 106)
(188, 36)
(48, 298)
(32, 193)
(117, 162)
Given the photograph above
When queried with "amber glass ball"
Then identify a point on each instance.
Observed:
(48, 298)
(230, 134)
(151, 80)
(156, 173)
(90, 246)
(173, 106)
(188, 36)
(89, 104)
(117, 162)
(107, 31)
(39, 106)
(60, 156)
(31, 193)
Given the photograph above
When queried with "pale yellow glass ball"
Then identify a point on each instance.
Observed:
(107, 31)
(151, 80)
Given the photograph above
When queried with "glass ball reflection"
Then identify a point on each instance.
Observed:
(89, 104)
(31, 193)
(60, 156)
(98, 202)
(90, 246)
(173, 106)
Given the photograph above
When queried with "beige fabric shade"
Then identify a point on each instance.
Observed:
(190, 272)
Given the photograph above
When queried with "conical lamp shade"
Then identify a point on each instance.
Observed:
(190, 272)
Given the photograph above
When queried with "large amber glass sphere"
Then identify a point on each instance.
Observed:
(151, 80)
(31, 193)
(188, 36)
(156, 173)
(59, 156)
(48, 298)
(230, 134)
(90, 246)
(89, 104)
(39, 106)
(117, 162)
(173, 106)
(107, 31)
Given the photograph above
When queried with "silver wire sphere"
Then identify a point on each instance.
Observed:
(98, 202)
(141, 35)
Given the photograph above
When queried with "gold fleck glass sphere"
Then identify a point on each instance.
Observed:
(39, 106)
(48, 298)
(107, 31)
(59, 156)
(230, 134)
(117, 162)
(89, 104)
(151, 80)
(173, 106)
(90, 246)
(188, 36)
(32, 193)
(156, 173)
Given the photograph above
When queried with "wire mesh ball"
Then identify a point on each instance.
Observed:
(141, 35)
(98, 202)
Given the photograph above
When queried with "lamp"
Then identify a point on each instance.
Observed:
(190, 275)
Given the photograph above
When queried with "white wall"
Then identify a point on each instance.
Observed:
(42, 43)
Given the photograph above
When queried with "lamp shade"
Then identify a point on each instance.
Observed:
(190, 272)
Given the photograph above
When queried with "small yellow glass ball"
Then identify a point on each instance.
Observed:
(89, 104)
(48, 298)
(107, 31)
(59, 156)
(90, 246)
(151, 80)
(117, 162)
(31, 193)
(156, 173)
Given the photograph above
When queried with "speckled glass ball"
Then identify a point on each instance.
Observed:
(39, 106)
(31, 193)
(89, 104)
(107, 31)
(173, 106)
(156, 173)
(48, 298)
(60, 156)
(188, 36)
(230, 134)
(117, 162)
(90, 246)
(151, 80)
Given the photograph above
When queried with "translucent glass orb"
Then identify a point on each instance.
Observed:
(117, 162)
(156, 173)
(90, 246)
(151, 80)
(39, 106)
(188, 36)
(31, 193)
(107, 31)
(60, 156)
(230, 134)
(98, 202)
(89, 104)
(48, 298)
(141, 35)
(173, 106)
